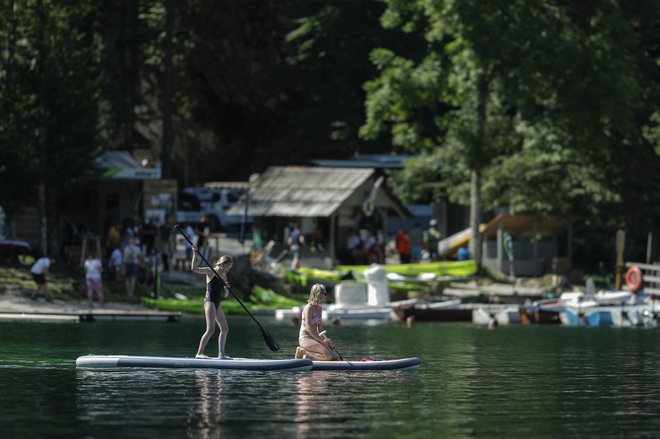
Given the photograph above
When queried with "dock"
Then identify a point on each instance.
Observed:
(92, 316)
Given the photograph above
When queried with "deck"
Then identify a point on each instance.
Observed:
(92, 316)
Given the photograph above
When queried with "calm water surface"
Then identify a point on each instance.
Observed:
(514, 381)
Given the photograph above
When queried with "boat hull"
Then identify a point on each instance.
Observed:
(426, 314)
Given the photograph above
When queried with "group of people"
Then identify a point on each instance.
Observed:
(365, 247)
(411, 244)
(93, 281)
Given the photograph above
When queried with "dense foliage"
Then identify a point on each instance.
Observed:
(545, 107)
(541, 107)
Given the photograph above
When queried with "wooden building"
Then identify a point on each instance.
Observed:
(329, 205)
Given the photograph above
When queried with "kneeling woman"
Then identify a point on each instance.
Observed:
(215, 290)
(312, 345)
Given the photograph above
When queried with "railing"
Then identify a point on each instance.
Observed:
(650, 276)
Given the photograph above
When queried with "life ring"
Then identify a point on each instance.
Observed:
(634, 279)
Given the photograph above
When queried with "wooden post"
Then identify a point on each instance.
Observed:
(500, 247)
(620, 242)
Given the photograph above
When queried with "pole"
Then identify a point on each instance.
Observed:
(620, 242)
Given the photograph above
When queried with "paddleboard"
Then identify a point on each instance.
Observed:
(113, 361)
(400, 364)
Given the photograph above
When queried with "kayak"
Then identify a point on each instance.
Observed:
(439, 268)
(113, 361)
(368, 364)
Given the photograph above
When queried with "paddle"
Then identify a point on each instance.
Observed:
(322, 334)
(270, 341)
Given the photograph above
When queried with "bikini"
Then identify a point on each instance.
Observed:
(315, 321)
(214, 290)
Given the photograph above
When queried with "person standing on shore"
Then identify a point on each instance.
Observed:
(416, 243)
(216, 290)
(115, 263)
(431, 240)
(93, 268)
(132, 259)
(402, 243)
(39, 272)
(296, 241)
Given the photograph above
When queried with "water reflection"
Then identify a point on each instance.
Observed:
(206, 417)
(311, 388)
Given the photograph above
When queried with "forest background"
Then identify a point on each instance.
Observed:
(544, 107)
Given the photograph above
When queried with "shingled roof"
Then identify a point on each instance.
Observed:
(305, 191)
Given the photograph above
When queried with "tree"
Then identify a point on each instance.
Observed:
(49, 104)
(528, 95)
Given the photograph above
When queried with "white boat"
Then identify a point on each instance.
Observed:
(353, 311)
(609, 308)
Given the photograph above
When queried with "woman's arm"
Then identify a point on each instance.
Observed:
(193, 265)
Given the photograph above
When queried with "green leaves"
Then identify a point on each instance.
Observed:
(568, 88)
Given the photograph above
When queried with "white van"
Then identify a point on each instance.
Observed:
(195, 202)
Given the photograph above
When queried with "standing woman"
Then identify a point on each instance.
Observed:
(312, 345)
(215, 291)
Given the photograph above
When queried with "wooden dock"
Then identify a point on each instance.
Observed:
(92, 316)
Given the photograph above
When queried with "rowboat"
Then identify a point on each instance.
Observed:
(116, 361)
(369, 364)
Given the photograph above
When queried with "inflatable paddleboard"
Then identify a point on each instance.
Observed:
(400, 364)
(113, 361)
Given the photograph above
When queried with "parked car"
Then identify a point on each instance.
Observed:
(196, 202)
(189, 209)
(11, 251)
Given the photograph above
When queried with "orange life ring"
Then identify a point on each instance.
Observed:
(634, 279)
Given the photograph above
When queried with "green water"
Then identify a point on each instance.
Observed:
(541, 381)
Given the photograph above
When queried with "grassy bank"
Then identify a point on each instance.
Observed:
(68, 284)
(260, 299)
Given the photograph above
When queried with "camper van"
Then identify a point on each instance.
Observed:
(196, 202)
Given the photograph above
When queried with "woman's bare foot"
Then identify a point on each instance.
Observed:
(225, 357)
(302, 353)
(201, 356)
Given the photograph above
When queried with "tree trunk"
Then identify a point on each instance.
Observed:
(477, 166)
(40, 138)
(43, 220)
(166, 153)
(475, 216)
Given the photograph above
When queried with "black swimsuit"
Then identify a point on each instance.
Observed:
(214, 290)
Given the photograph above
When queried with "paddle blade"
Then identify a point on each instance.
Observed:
(270, 341)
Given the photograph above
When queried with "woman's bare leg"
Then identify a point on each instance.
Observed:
(209, 312)
(224, 330)
(318, 351)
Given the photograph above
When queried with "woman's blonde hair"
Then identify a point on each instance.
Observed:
(315, 293)
(226, 259)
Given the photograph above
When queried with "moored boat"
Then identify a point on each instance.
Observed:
(447, 311)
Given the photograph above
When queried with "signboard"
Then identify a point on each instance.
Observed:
(160, 199)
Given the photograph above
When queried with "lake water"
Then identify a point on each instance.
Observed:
(538, 381)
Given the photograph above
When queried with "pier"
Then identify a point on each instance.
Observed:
(92, 316)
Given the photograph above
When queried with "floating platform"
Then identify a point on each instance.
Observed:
(116, 361)
(400, 364)
(92, 316)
